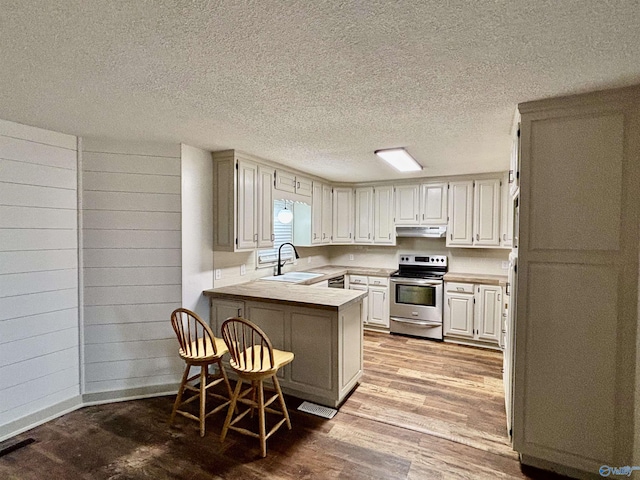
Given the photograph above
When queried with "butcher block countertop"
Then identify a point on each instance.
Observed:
(289, 294)
(482, 278)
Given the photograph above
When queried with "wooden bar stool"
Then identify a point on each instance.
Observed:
(254, 359)
(198, 348)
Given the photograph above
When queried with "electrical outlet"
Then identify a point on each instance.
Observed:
(505, 265)
(243, 269)
(351, 256)
(218, 274)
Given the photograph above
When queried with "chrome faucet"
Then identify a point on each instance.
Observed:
(279, 272)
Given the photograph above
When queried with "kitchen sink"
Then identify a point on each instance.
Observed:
(293, 277)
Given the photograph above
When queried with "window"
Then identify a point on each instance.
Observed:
(283, 233)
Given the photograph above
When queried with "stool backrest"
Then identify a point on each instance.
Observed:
(195, 337)
(241, 335)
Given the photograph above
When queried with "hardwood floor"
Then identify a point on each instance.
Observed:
(424, 410)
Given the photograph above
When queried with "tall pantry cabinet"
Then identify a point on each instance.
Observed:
(577, 397)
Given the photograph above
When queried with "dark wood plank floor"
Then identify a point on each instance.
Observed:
(424, 410)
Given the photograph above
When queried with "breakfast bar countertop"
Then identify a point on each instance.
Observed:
(289, 294)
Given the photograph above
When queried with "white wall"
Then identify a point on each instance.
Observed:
(39, 367)
(197, 228)
(131, 246)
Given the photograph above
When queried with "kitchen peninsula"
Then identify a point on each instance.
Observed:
(321, 326)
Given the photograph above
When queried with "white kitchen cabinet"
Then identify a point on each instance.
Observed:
(433, 203)
(374, 210)
(460, 225)
(265, 207)
(242, 203)
(321, 214)
(489, 313)
(364, 214)
(514, 164)
(384, 228)
(327, 213)
(376, 313)
(472, 314)
(474, 213)
(343, 221)
(407, 200)
(290, 182)
(486, 212)
(506, 223)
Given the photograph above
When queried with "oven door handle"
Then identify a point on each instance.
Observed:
(413, 281)
(418, 323)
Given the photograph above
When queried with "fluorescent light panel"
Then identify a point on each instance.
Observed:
(400, 159)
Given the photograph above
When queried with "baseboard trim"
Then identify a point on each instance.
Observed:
(32, 420)
(557, 468)
(137, 393)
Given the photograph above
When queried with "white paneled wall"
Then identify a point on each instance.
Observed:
(39, 346)
(131, 246)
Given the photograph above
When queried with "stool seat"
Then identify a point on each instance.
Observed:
(202, 350)
(248, 364)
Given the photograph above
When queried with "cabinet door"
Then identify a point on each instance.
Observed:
(384, 229)
(433, 204)
(327, 213)
(460, 224)
(458, 315)
(486, 212)
(489, 313)
(514, 165)
(285, 181)
(407, 205)
(342, 215)
(316, 213)
(247, 205)
(265, 207)
(506, 221)
(364, 214)
(303, 186)
(223, 309)
(379, 306)
(365, 302)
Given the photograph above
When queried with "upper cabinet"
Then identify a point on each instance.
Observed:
(321, 214)
(243, 203)
(374, 215)
(290, 182)
(343, 222)
(424, 204)
(433, 203)
(474, 213)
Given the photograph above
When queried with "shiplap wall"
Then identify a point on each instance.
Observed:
(131, 246)
(39, 344)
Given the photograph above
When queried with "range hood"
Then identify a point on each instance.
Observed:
(424, 232)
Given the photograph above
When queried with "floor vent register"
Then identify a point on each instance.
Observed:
(319, 410)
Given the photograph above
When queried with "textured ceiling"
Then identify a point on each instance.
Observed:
(317, 85)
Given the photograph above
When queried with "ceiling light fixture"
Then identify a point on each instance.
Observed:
(400, 159)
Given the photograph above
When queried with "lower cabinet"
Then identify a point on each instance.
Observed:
(327, 345)
(473, 314)
(376, 311)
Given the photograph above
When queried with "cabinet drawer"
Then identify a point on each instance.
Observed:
(459, 287)
(358, 280)
(379, 281)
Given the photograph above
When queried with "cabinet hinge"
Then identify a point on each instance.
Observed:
(474, 300)
(518, 133)
(236, 165)
(500, 182)
(236, 241)
(511, 432)
(473, 183)
(515, 268)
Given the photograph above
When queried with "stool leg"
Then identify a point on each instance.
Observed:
(263, 430)
(176, 404)
(232, 407)
(203, 396)
(285, 412)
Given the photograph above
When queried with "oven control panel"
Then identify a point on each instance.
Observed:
(424, 260)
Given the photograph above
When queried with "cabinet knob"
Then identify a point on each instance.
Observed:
(369, 236)
(477, 237)
(255, 237)
(239, 312)
(416, 217)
